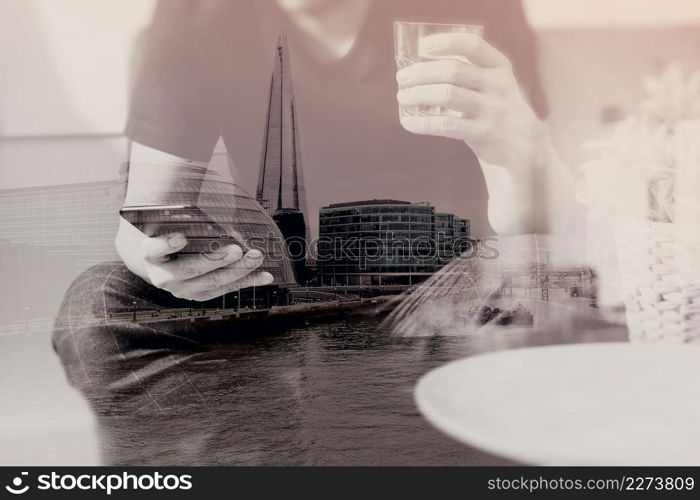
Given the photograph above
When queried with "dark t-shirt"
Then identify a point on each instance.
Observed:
(206, 74)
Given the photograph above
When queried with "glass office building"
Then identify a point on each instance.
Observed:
(384, 242)
(451, 237)
(281, 180)
(48, 235)
(76, 221)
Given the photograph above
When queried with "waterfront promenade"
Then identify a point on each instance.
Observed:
(308, 308)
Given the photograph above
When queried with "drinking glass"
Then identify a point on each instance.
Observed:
(407, 37)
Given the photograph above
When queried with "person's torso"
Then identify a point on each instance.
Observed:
(352, 145)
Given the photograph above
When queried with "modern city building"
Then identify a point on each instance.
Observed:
(451, 236)
(376, 242)
(48, 235)
(76, 221)
(280, 181)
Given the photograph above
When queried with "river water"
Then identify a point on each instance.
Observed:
(331, 394)
(325, 394)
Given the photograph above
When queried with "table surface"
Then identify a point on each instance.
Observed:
(576, 404)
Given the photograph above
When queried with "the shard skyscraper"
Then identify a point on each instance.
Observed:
(281, 182)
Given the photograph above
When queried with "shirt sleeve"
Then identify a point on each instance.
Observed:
(175, 98)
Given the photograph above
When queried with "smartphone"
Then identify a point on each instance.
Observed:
(204, 235)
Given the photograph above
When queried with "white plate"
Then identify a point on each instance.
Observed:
(577, 404)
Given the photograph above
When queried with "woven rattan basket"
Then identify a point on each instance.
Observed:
(660, 280)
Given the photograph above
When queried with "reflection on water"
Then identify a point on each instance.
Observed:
(337, 394)
(327, 394)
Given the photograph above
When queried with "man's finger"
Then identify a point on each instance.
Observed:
(157, 248)
(470, 102)
(186, 267)
(443, 71)
(223, 277)
(261, 278)
(445, 126)
(477, 50)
